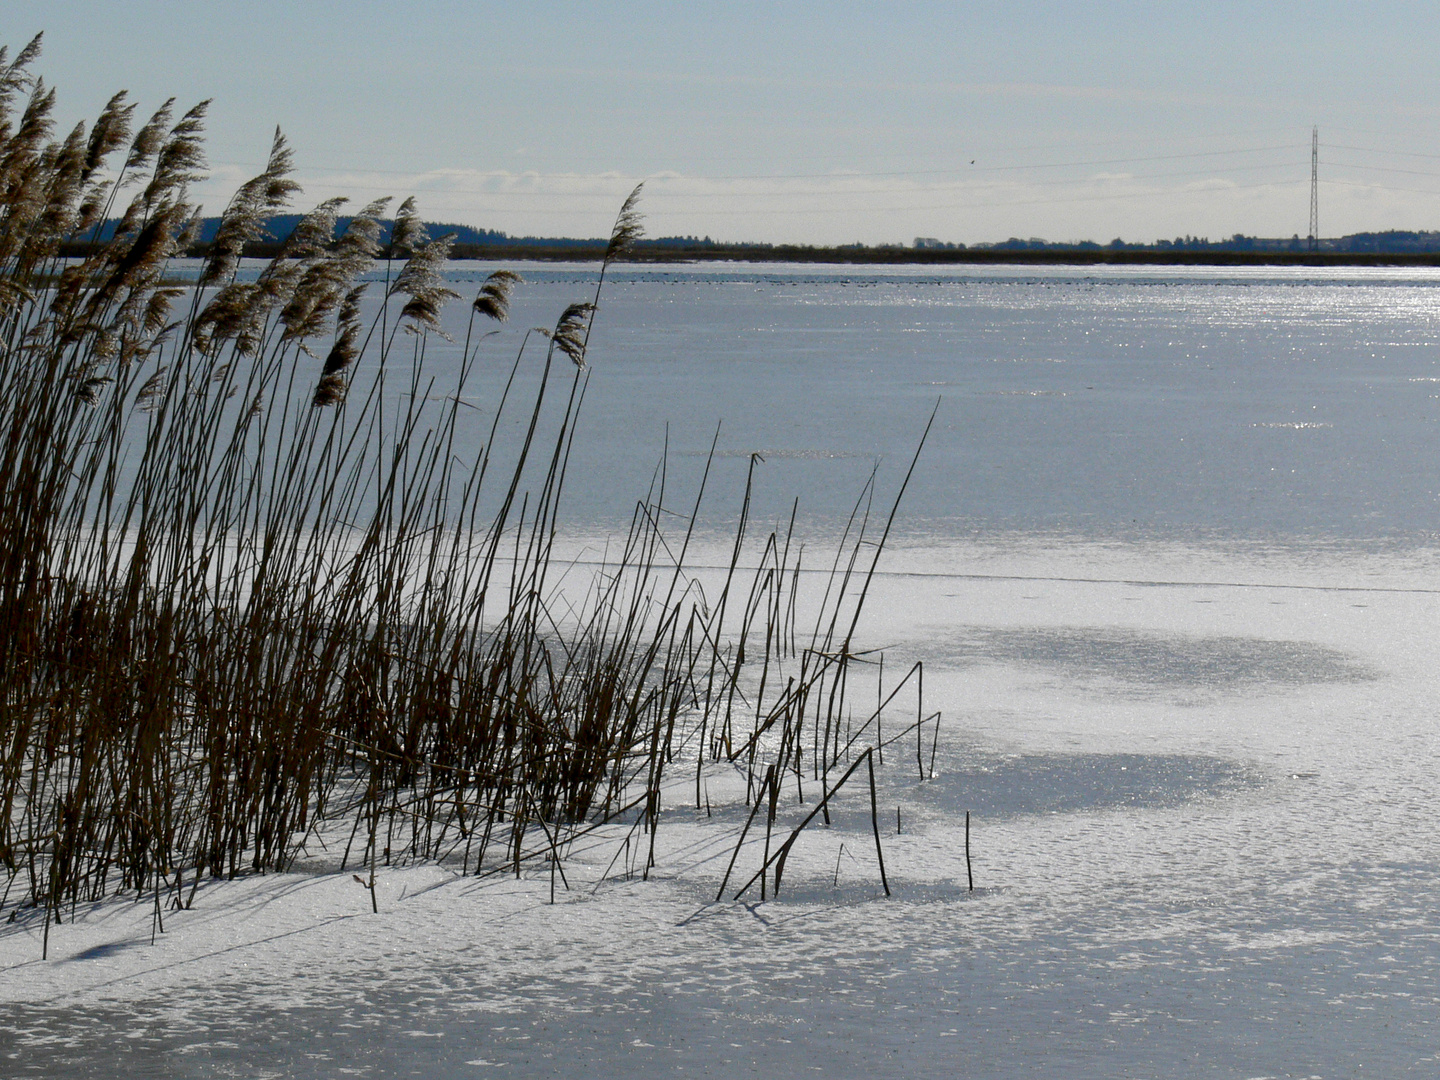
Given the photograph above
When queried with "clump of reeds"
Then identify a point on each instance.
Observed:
(242, 599)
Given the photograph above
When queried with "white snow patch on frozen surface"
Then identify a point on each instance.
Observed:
(1203, 807)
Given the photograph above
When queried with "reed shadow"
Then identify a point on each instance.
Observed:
(1061, 783)
(100, 952)
(1146, 659)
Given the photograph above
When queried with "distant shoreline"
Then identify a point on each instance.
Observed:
(891, 256)
(967, 256)
(1386, 248)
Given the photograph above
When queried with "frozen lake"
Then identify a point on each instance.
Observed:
(1252, 404)
(1170, 560)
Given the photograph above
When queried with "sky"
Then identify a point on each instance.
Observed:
(824, 123)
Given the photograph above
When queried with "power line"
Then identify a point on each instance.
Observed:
(1381, 169)
(1386, 188)
(1374, 150)
(1133, 160)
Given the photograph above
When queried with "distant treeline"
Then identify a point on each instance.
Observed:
(1394, 246)
(467, 241)
(1393, 242)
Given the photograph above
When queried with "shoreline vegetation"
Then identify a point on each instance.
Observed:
(662, 254)
(791, 253)
(1394, 248)
(254, 600)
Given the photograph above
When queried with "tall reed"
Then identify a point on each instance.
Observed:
(245, 600)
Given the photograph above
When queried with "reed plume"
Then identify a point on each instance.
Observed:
(628, 227)
(571, 331)
(493, 299)
(407, 234)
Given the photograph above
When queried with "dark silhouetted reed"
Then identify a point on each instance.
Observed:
(245, 601)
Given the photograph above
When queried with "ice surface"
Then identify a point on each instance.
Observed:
(1199, 761)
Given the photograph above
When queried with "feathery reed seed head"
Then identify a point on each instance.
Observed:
(407, 235)
(421, 279)
(109, 132)
(628, 226)
(244, 219)
(149, 138)
(569, 333)
(493, 299)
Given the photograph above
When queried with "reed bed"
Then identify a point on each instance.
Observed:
(247, 601)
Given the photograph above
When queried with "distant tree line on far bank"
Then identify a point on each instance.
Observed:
(477, 243)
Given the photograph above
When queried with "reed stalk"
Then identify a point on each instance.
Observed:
(246, 598)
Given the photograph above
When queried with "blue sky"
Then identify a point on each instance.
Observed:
(825, 123)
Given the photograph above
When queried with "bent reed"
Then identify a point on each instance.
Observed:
(246, 602)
